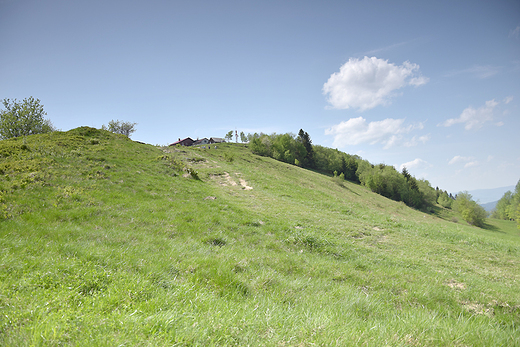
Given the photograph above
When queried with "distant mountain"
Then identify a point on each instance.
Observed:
(485, 196)
(489, 206)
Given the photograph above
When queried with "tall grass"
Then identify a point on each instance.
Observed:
(111, 242)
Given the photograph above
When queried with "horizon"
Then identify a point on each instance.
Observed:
(434, 87)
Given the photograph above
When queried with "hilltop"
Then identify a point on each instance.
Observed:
(106, 241)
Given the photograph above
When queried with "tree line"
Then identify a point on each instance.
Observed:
(508, 207)
(381, 179)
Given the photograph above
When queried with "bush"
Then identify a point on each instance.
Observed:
(229, 157)
(340, 180)
(117, 127)
(193, 173)
(470, 210)
(444, 200)
(23, 118)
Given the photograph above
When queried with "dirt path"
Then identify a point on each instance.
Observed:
(229, 181)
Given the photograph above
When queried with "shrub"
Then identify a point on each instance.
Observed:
(470, 210)
(23, 118)
(229, 157)
(118, 127)
(193, 173)
(444, 200)
(340, 180)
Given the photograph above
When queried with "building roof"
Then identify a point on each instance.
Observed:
(216, 139)
(200, 141)
(188, 139)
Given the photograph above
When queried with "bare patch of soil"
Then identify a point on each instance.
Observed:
(229, 179)
(476, 308)
(455, 285)
(243, 183)
(226, 180)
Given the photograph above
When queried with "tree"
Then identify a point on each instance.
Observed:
(406, 174)
(350, 174)
(470, 210)
(518, 214)
(444, 200)
(243, 137)
(428, 193)
(343, 165)
(305, 139)
(261, 145)
(117, 127)
(508, 206)
(23, 118)
(503, 206)
(229, 135)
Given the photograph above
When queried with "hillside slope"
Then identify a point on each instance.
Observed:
(106, 241)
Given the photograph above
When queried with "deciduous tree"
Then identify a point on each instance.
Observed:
(118, 127)
(444, 200)
(508, 207)
(470, 210)
(23, 118)
(229, 135)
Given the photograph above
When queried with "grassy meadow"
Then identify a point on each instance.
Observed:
(109, 242)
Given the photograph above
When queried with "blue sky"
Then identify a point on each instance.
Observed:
(431, 85)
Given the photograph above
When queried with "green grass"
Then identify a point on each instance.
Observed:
(105, 241)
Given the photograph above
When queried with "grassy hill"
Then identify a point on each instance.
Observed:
(105, 241)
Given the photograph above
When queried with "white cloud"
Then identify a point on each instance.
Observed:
(416, 140)
(355, 131)
(484, 71)
(369, 82)
(515, 33)
(424, 138)
(415, 164)
(378, 50)
(468, 161)
(473, 118)
(508, 100)
(458, 159)
(478, 71)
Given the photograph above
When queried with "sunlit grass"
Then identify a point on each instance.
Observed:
(116, 243)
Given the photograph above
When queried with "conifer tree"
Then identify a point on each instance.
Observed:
(305, 139)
